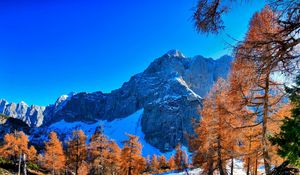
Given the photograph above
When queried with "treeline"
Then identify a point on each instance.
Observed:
(100, 156)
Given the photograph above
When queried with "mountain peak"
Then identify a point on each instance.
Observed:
(175, 53)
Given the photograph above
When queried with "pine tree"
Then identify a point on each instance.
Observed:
(132, 161)
(181, 158)
(54, 159)
(288, 139)
(77, 150)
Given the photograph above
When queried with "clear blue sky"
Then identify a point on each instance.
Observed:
(52, 47)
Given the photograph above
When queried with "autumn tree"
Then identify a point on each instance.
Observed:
(208, 19)
(216, 139)
(171, 163)
(15, 147)
(98, 151)
(113, 158)
(103, 153)
(154, 164)
(83, 168)
(180, 158)
(163, 164)
(54, 159)
(131, 160)
(77, 150)
(251, 149)
(266, 93)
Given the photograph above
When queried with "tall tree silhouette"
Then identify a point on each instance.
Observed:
(54, 159)
(77, 150)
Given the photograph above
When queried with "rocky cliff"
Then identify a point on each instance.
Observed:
(170, 91)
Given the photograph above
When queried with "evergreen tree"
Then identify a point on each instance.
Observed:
(288, 139)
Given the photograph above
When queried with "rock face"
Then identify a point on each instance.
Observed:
(170, 90)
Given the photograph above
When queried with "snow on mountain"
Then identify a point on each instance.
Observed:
(175, 53)
(62, 101)
(115, 130)
(169, 91)
(182, 82)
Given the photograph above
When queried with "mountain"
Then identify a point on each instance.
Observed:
(169, 92)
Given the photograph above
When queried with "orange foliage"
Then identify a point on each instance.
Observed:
(54, 159)
(77, 150)
(131, 160)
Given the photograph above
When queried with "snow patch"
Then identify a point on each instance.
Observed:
(175, 53)
(183, 83)
(62, 101)
(115, 130)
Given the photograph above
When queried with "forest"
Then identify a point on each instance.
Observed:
(253, 116)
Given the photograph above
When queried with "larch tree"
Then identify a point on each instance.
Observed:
(163, 164)
(208, 19)
(113, 158)
(154, 164)
(83, 168)
(251, 149)
(32, 154)
(132, 161)
(98, 151)
(77, 150)
(15, 147)
(171, 163)
(180, 158)
(54, 158)
(215, 141)
(267, 94)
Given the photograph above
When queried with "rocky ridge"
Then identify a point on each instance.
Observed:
(170, 91)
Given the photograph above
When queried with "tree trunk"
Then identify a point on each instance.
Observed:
(25, 164)
(231, 168)
(248, 166)
(19, 166)
(256, 165)
(249, 159)
(210, 168)
(129, 170)
(220, 163)
(266, 156)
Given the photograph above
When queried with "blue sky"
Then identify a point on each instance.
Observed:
(52, 47)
